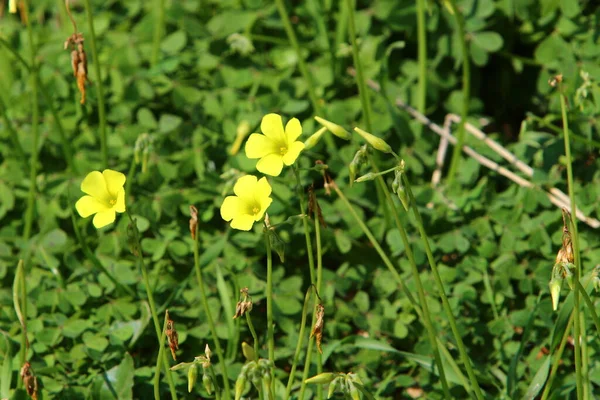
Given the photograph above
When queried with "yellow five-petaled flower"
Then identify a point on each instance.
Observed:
(106, 196)
(276, 146)
(249, 204)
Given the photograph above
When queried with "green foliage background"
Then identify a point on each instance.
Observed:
(495, 241)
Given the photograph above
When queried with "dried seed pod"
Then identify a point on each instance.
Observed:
(81, 80)
(29, 380)
(317, 330)
(193, 221)
(244, 305)
(172, 336)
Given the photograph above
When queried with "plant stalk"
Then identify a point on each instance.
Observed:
(422, 57)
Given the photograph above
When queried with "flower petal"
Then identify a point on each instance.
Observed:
(88, 205)
(271, 164)
(120, 204)
(293, 130)
(259, 146)
(264, 204)
(103, 218)
(245, 187)
(115, 180)
(263, 189)
(272, 126)
(293, 153)
(94, 184)
(242, 222)
(231, 208)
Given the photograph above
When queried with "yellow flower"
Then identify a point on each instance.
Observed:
(275, 147)
(106, 196)
(249, 204)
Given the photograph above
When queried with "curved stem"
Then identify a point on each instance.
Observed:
(211, 322)
(150, 295)
(460, 136)
(99, 87)
(440, 285)
(590, 305)
(360, 79)
(299, 343)
(33, 162)
(253, 332)
(422, 56)
(557, 359)
(575, 241)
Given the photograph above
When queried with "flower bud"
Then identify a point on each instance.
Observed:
(240, 385)
(374, 141)
(334, 386)
(352, 390)
(207, 383)
(248, 352)
(243, 130)
(314, 139)
(322, 378)
(336, 129)
(192, 376)
(366, 177)
(404, 199)
(359, 159)
(12, 6)
(277, 244)
(555, 286)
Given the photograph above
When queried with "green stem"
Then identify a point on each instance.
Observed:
(557, 358)
(99, 86)
(159, 359)
(20, 305)
(159, 28)
(422, 56)
(299, 343)
(150, 295)
(307, 360)
(590, 305)
(440, 285)
(575, 241)
(14, 137)
(269, 296)
(33, 162)
(309, 249)
(460, 136)
(360, 79)
(253, 332)
(319, 281)
(211, 323)
(214, 378)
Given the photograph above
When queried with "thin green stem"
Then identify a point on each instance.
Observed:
(360, 78)
(440, 285)
(557, 358)
(575, 241)
(211, 322)
(99, 86)
(287, 25)
(150, 295)
(159, 28)
(20, 305)
(159, 360)
(214, 378)
(269, 296)
(33, 162)
(460, 136)
(309, 249)
(299, 343)
(319, 281)
(253, 332)
(14, 137)
(422, 57)
(590, 305)
(307, 360)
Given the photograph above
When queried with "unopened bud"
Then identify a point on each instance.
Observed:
(248, 352)
(334, 386)
(336, 129)
(243, 130)
(366, 177)
(404, 199)
(207, 383)
(352, 390)
(555, 286)
(277, 244)
(12, 6)
(192, 376)
(314, 138)
(240, 385)
(322, 378)
(359, 159)
(374, 141)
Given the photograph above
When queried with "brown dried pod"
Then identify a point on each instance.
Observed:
(244, 305)
(193, 221)
(172, 335)
(29, 380)
(317, 330)
(313, 205)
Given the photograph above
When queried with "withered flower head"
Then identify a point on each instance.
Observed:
(317, 330)
(78, 61)
(244, 305)
(172, 335)
(555, 80)
(193, 221)
(29, 380)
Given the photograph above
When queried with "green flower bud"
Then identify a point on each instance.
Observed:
(248, 352)
(568, 272)
(207, 382)
(374, 141)
(366, 177)
(404, 199)
(352, 390)
(314, 139)
(334, 386)
(324, 377)
(277, 244)
(334, 128)
(240, 385)
(555, 286)
(192, 376)
(359, 159)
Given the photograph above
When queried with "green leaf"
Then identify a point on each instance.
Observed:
(174, 43)
(487, 40)
(169, 123)
(538, 380)
(6, 370)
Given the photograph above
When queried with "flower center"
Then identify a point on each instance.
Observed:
(283, 150)
(255, 210)
(112, 202)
